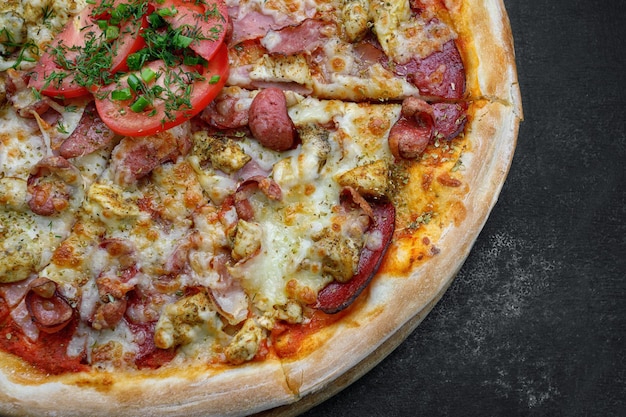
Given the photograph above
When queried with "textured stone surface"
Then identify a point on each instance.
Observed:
(535, 323)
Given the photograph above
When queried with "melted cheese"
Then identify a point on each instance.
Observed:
(403, 36)
(177, 205)
(309, 196)
(27, 240)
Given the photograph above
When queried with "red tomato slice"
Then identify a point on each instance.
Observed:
(123, 120)
(130, 39)
(205, 19)
(47, 68)
(53, 79)
(129, 42)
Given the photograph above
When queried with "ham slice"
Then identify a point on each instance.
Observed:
(305, 37)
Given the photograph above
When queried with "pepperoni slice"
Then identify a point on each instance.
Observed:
(440, 75)
(336, 296)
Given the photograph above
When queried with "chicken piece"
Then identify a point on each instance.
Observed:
(224, 154)
(245, 344)
(247, 240)
(185, 321)
(369, 180)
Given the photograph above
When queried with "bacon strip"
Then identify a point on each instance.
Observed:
(305, 37)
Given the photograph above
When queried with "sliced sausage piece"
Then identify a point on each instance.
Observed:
(53, 181)
(269, 121)
(48, 309)
(413, 131)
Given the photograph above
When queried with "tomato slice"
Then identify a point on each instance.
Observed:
(48, 76)
(130, 41)
(70, 79)
(192, 95)
(206, 21)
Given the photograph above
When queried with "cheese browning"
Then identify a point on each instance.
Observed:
(195, 243)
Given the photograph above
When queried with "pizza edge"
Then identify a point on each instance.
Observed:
(297, 384)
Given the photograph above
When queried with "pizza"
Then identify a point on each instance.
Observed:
(220, 207)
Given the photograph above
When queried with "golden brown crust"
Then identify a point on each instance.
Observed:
(185, 391)
(486, 38)
(387, 312)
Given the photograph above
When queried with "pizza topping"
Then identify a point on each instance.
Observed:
(247, 240)
(197, 237)
(48, 309)
(160, 97)
(306, 37)
(229, 110)
(404, 35)
(336, 296)
(149, 65)
(369, 180)
(53, 182)
(23, 99)
(13, 193)
(134, 158)
(183, 321)
(269, 121)
(245, 344)
(253, 19)
(90, 135)
(356, 19)
(223, 153)
(410, 135)
(241, 201)
(450, 119)
(439, 75)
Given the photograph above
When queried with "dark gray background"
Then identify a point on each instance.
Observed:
(535, 322)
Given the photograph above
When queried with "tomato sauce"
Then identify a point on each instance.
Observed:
(287, 339)
(48, 353)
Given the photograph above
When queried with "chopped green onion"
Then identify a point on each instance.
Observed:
(147, 74)
(191, 60)
(119, 13)
(112, 32)
(140, 104)
(134, 82)
(120, 95)
(181, 41)
(90, 1)
(214, 79)
(136, 60)
(156, 21)
(167, 11)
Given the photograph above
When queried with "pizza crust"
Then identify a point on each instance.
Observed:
(484, 27)
(190, 391)
(384, 315)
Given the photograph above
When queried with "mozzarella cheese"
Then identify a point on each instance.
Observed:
(175, 229)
